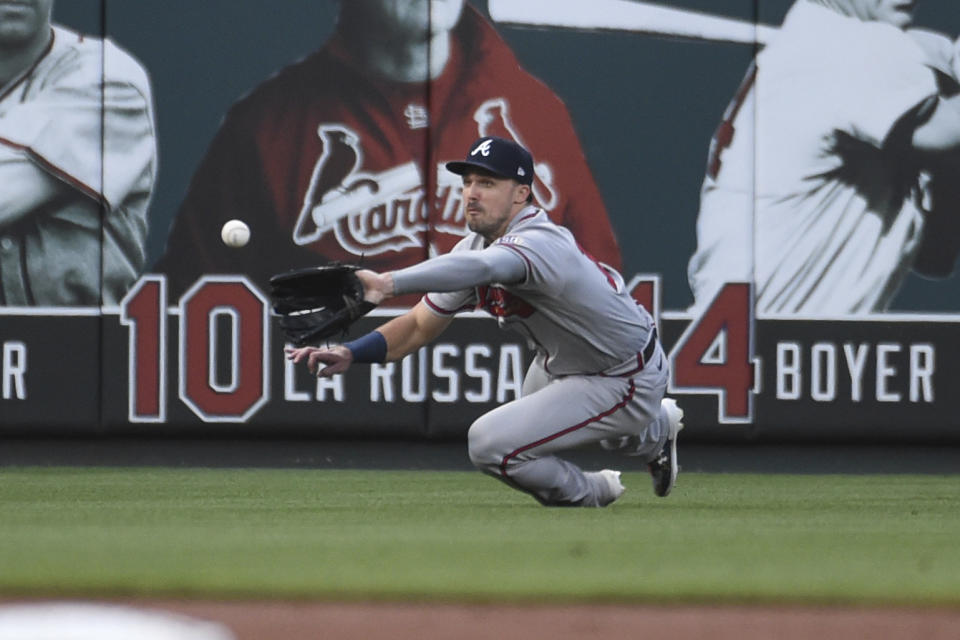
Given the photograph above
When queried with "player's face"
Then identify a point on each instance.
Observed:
(899, 13)
(410, 19)
(23, 21)
(489, 202)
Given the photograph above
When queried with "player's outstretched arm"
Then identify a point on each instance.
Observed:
(449, 272)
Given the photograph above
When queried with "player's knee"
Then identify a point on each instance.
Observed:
(482, 447)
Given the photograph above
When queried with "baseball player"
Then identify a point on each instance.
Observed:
(599, 373)
(77, 163)
(341, 155)
(814, 182)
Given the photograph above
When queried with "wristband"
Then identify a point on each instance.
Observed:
(369, 348)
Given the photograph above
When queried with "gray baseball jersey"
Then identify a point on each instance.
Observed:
(599, 373)
(574, 310)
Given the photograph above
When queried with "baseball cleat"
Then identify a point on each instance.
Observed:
(664, 467)
(610, 486)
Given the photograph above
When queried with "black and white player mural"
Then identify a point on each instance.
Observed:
(829, 179)
(774, 179)
(77, 163)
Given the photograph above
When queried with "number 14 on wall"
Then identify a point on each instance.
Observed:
(715, 353)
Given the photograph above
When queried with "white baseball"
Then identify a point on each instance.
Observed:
(235, 233)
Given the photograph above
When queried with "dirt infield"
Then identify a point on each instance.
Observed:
(348, 621)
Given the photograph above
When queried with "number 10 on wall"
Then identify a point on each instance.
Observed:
(224, 343)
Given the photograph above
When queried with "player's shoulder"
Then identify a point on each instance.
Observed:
(312, 69)
(81, 54)
(534, 229)
(538, 223)
(121, 66)
(294, 88)
(470, 242)
(74, 50)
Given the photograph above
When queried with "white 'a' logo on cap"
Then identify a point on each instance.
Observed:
(483, 148)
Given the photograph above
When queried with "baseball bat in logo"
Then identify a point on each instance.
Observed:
(340, 194)
(636, 17)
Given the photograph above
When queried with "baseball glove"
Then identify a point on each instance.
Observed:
(317, 303)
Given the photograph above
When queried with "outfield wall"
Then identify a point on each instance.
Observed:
(621, 124)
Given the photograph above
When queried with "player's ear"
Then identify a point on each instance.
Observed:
(522, 194)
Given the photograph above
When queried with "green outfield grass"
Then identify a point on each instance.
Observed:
(464, 536)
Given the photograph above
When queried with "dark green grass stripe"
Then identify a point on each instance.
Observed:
(464, 536)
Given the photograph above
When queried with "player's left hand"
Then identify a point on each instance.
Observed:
(316, 303)
(322, 361)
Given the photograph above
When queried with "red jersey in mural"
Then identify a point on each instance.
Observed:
(327, 162)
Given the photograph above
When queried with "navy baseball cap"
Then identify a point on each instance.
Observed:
(500, 156)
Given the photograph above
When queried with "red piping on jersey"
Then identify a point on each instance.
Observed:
(447, 312)
(724, 133)
(56, 171)
(603, 270)
(527, 217)
(559, 434)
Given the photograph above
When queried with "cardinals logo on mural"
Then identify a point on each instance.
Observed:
(374, 212)
(369, 212)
